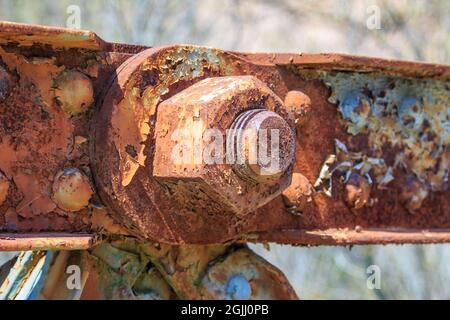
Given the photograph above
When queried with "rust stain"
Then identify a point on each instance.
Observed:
(401, 152)
(41, 129)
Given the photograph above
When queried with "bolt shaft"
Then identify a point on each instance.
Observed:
(262, 143)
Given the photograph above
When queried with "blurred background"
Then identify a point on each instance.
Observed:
(412, 30)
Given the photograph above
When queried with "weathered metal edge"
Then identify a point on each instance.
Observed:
(342, 237)
(351, 63)
(58, 38)
(46, 241)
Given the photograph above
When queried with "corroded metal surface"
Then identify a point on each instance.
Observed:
(43, 241)
(372, 147)
(213, 271)
(41, 131)
(130, 270)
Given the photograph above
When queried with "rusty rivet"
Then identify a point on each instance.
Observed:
(71, 189)
(298, 105)
(74, 92)
(413, 193)
(4, 187)
(262, 122)
(297, 196)
(5, 83)
(357, 191)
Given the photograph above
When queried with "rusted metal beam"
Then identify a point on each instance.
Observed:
(46, 241)
(85, 130)
(358, 236)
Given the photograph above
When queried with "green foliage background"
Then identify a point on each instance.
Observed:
(410, 29)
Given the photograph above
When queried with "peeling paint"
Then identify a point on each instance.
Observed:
(411, 116)
(391, 99)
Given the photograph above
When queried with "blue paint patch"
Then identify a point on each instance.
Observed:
(350, 102)
(238, 288)
(410, 112)
(407, 103)
(357, 108)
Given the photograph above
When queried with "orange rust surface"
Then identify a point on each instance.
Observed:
(345, 62)
(57, 38)
(38, 139)
(46, 241)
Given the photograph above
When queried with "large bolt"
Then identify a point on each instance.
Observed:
(260, 145)
(160, 150)
(265, 142)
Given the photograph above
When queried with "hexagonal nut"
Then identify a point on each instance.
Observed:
(198, 173)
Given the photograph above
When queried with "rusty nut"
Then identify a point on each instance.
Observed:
(202, 155)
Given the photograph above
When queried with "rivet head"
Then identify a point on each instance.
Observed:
(298, 105)
(238, 288)
(71, 190)
(74, 92)
(297, 196)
